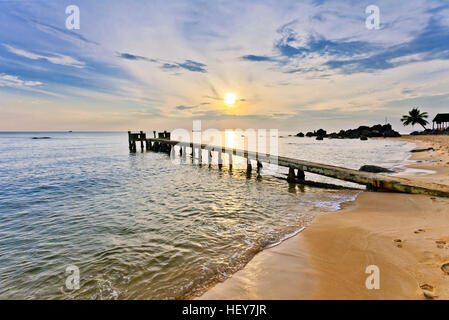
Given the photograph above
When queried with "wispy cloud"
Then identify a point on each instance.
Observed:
(181, 107)
(252, 57)
(7, 80)
(129, 56)
(188, 65)
(52, 58)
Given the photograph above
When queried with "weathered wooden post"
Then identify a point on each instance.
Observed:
(183, 148)
(209, 157)
(141, 141)
(154, 133)
(300, 175)
(129, 142)
(200, 155)
(259, 166)
(291, 174)
(249, 167)
(220, 160)
(230, 160)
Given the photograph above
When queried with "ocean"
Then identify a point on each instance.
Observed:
(141, 226)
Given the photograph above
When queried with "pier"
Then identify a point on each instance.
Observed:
(297, 168)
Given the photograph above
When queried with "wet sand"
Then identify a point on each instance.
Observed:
(405, 236)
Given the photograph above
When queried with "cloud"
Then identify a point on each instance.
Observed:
(63, 34)
(52, 58)
(432, 43)
(7, 80)
(252, 57)
(181, 107)
(188, 65)
(129, 56)
(305, 52)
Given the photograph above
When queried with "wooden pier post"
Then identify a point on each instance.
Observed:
(291, 174)
(259, 166)
(209, 157)
(300, 175)
(249, 167)
(230, 160)
(220, 160)
(141, 140)
(200, 156)
(129, 142)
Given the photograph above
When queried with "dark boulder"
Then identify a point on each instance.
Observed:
(300, 134)
(391, 134)
(319, 138)
(422, 150)
(309, 134)
(363, 138)
(374, 169)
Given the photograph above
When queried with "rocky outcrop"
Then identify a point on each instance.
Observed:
(374, 169)
(362, 132)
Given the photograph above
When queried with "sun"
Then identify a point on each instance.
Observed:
(230, 99)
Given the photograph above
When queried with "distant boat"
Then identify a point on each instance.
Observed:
(70, 131)
(38, 138)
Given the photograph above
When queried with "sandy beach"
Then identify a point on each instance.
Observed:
(405, 236)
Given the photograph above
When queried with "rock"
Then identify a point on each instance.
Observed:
(300, 134)
(391, 134)
(377, 130)
(422, 150)
(319, 138)
(374, 169)
(363, 138)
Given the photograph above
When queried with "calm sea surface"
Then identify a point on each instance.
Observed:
(140, 226)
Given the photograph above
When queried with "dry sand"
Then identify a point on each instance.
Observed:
(405, 236)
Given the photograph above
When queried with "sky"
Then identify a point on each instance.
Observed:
(293, 65)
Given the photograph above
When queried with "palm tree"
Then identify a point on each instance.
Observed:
(415, 117)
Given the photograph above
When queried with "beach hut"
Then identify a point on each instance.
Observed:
(441, 120)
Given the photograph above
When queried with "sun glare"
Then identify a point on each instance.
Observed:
(230, 99)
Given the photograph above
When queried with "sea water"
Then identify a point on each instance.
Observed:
(140, 226)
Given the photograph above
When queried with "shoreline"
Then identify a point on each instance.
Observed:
(328, 259)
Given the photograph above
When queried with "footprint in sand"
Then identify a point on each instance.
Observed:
(420, 230)
(428, 291)
(398, 243)
(445, 268)
(440, 244)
